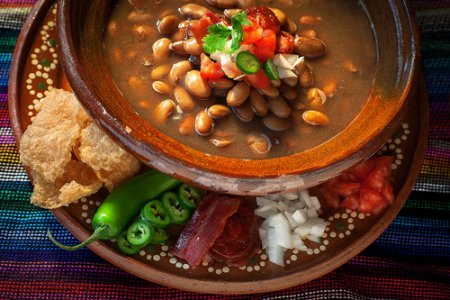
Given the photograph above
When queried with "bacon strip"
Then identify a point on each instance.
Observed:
(206, 224)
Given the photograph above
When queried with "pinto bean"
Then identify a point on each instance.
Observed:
(161, 50)
(218, 111)
(244, 112)
(290, 26)
(196, 85)
(183, 99)
(221, 142)
(310, 19)
(279, 14)
(161, 87)
(305, 77)
(258, 103)
(290, 81)
(221, 83)
(142, 32)
(316, 98)
(178, 47)
(167, 25)
(330, 87)
(308, 33)
(186, 125)
(229, 13)
(193, 11)
(238, 94)
(279, 107)
(164, 109)
(136, 83)
(180, 35)
(192, 47)
(270, 92)
(223, 3)
(310, 47)
(204, 124)
(276, 123)
(276, 82)
(315, 118)
(288, 92)
(350, 66)
(159, 72)
(259, 143)
(178, 70)
(246, 3)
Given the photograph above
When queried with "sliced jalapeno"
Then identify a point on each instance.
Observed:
(125, 246)
(189, 196)
(154, 213)
(160, 236)
(177, 213)
(247, 62)
(139, 233)
(271, 70)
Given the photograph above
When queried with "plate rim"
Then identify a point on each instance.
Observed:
(149, 273)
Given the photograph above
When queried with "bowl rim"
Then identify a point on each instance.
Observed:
(259, 176)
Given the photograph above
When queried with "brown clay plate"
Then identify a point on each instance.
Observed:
(36, 70)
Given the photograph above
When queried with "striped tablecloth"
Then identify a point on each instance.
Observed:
(411, 260)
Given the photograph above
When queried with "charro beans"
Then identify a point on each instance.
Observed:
(316, 98)
(229, 13)
(223, 3)
(288, 92)
(279, 14)
(244, 112)
(184, 99)
(270, 92)
(196, 85)
(178, 47)
(167, 25)
(305, 75)
(308, 33)
(221, 83)
(290, 81)
(180, 34)
(160, 72)
(246, 3)
(290, 26)
(142, 32)
(238, 94)
(204, 124)
(310, 47)
(178, 70)
(315, 118)
(186, 125)
(330, 87)
(161, 50)
(309, 19)
(221, 138)
(164, 109)
(276, 123)
(259, 143)
(192, 47)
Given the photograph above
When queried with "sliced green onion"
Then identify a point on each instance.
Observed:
(271, 70)
(247, 62)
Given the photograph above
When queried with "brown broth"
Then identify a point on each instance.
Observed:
(345, 29)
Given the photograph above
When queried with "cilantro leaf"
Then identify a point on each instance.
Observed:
(216, 38)
(237, 35)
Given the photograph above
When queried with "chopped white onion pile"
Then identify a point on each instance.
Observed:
(290, 218)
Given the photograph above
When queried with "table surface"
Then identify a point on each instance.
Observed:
(410, 260)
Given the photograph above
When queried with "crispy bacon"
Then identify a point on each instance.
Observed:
(206, 224)
(239, 239)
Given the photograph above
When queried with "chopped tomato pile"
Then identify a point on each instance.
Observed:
(365, 187)
(222, 227)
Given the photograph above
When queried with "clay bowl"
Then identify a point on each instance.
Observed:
(80, 29)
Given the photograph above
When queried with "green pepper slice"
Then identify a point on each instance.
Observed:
(139, 233)
(247, 62)
(271, 70)
(189, 196)
(176, 211)
(154, 213)
(159, 237)
(124, 245)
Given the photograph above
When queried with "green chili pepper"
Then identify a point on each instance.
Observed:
(155, 213)
(189, 196)
(139, 233)
(247, 62)
(271, 70)
(123, 204)
(125, 246)
(177, 213)
(159, 237)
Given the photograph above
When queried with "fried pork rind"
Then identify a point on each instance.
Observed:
(61, 128)
(110, 163)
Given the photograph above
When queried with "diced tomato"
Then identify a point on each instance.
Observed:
(252, 34)
(370, 200)
(210, 69)
(265, 17)
(351, 202)
(266, 46)
(345, 188)
(361, 170)
(258, 80)
(285, 43)
(199, 28)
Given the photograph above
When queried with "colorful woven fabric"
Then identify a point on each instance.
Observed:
(411, 260)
